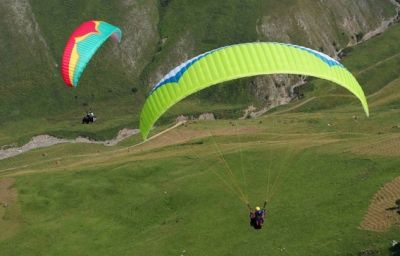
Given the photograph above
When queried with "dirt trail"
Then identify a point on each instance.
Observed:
(173, 136)
(145, 151)
(8, 195)
(376, 65)
(385, 147)
(381, 214)
(42, 141)
(294, 107)
(169, 137)
(9, 210)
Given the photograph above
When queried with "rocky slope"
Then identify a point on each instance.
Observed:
(158, 35)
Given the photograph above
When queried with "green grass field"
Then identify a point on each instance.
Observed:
(172, 199)
(179, 194)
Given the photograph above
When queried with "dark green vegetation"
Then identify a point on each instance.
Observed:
(33, 94)
(158, 35)
(376, 70)
(167, 197)
(170, 200)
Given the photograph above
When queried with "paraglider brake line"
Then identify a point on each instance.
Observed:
(159, 134)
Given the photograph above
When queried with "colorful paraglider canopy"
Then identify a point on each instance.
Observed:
(242, 60)
(82, 45)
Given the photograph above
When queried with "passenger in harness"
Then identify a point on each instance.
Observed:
(257, 216)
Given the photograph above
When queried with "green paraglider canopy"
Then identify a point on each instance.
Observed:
(242, 60)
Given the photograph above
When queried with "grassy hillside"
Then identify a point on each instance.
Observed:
(170, 200)
(158, 35)
(179, 194)
(375, 69)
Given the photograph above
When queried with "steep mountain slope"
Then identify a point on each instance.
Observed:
(158, 35)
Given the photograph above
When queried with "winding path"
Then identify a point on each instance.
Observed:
(42, 141)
